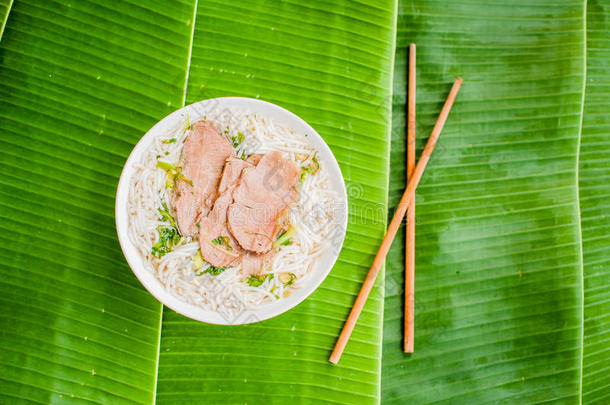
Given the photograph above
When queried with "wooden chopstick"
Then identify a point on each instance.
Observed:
(410, 237)
(393, 227)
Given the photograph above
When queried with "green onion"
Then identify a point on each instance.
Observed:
(165, 166)
(284, 237)
(169, 236)
(214, 271)
(170, 140)
(197, 261)
(166, 216)
(257, 281)
(173, 172)
(312, 168)
(223, 241)
(237, 139)
(180, 176)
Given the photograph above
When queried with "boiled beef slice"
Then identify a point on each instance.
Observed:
(204, 154)
(255, 158)
(214, 225)
(256, 263)
(263, 193)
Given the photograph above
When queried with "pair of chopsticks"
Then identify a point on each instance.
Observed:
(406, 201)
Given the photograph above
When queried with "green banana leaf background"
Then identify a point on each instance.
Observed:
(513, 212)
(498, 276)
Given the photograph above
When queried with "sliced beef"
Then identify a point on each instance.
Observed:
(214, 225)
(204, 154)
(253, 227)
(231, 174)
(263, 193)
(255, 158)
(256, 263)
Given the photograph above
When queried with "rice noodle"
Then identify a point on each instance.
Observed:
(228, 293)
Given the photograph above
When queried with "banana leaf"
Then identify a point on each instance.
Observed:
(594, 173)
(502, 266)
(330, 63)
(498, 293)
(5, 8)
(80, 82)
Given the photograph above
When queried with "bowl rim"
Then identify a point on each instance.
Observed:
(148, 279)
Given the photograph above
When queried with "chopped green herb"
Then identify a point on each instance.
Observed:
(166, 216)
(223, 241)
(170, 140)
(165, 166)
(169, 236)
(257, 281)
(198, 264)
(214, 271)
(181, 177)
(166, 153)
(197, 261)
(312, 168)
(173, 172)
(287, 279)
(237, 139)
(188, 123)
(285, 237)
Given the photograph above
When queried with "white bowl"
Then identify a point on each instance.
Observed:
(196, 112)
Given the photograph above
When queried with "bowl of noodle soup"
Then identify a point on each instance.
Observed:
(170, 264)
